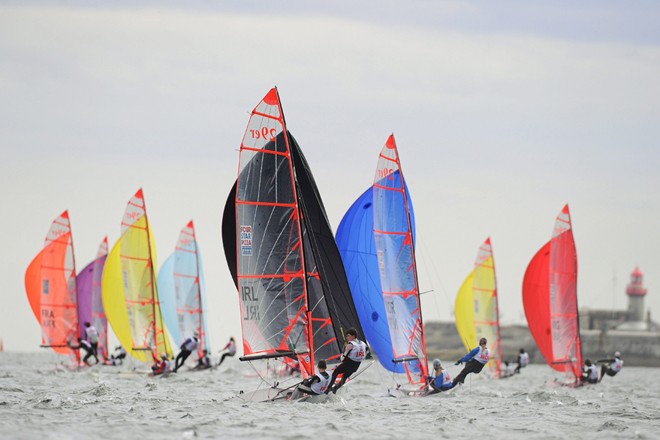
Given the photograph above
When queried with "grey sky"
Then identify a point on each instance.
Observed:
(501, 113)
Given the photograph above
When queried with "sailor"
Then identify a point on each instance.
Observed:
(523, 360)
(187, 347)
(354, 353)
(589, 372)
(314, 385)
(117, 358)
(475, 361)
(615, 365)
(92, 336)
(203, 362)
(84, 345)
(162, 367)
(230, 349)
(441, 381)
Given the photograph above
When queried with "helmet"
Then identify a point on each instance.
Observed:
(196, 333)
(617, 354)
(437, 363)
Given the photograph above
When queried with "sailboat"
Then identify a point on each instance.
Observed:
(550, 300)
(181, 291)
(376, 240)
(295, 301)
(50, 284)
(90, 303)
(128, 287)
(476, 311)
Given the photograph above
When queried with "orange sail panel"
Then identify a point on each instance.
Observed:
(550, 299)
(50, 283)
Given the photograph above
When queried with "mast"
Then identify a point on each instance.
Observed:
(154, 351)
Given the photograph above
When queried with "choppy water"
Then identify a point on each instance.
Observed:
(40, 401)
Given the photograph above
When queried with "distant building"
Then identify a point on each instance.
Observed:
(632, 319)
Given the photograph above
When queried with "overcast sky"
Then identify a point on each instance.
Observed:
(502, 112)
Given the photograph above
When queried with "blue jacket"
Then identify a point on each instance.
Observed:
(438, 380)
(470, 355)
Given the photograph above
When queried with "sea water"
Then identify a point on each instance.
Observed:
(41, 399)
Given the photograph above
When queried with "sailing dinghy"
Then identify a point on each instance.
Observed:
(50, 284)
(376, 240)
(476, 311)
(550, 300)
(90, 303)
(295, 301)
(181, 291)
(128, 288)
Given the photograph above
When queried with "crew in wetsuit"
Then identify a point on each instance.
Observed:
(230, 349)
(441, 381)
(475, 361)
(203, 362)
(117, 358)
(615, 365)
(92, 336)
(314, 385)
(163, 366)
(354, 353)
(187, 347)
(523, 360)
(84, 345)
(589, 372)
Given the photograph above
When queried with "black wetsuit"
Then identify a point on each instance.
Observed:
(472, 366)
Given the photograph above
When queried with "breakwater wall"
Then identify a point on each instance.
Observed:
(637, 348)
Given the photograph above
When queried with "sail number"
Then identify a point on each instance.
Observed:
(382, 173)
(250, 304)
(263, 133)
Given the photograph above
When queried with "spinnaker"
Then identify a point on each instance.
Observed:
(550, 299)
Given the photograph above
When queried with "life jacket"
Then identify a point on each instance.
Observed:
(323, 383)
(482, 356)
(231, 348)
(443, 380)
(190, 344)
(524, 359)
(592, 373)
(617, 365)
(92, 334)
(358, 350)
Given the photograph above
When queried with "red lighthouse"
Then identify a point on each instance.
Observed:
(636, 293)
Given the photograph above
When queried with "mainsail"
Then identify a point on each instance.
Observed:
(476, 309)
(130, 298)
(294, 297)
(550, 299)
(50, 284)
(395, 251)
(181, 291)
(90, 304)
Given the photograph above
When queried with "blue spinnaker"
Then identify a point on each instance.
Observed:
(355, 240)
